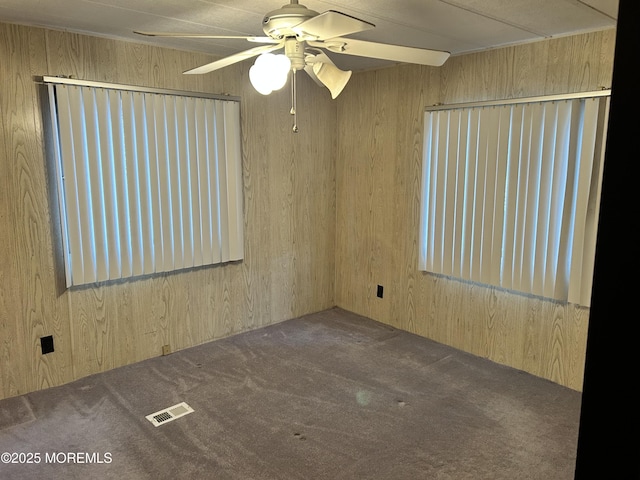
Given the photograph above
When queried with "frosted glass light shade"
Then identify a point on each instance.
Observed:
(269, 72)
(331, 77)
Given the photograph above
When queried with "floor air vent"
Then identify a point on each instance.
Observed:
(168, 414)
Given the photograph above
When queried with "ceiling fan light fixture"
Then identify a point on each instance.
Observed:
(305, 36)
(269, 72)
(331, 77)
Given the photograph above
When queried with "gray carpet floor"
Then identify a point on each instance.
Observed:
(331, 395)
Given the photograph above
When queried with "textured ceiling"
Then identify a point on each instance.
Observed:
(456, 26)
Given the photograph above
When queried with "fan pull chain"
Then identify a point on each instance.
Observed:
(294, 111)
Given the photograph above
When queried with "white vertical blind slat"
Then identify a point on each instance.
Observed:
(194, 199)
(110, 210)
(233, 159)
(568, 200)
(594, 203)
(558, 187)
(583, 175)
(73, 153)
(212, 185)
(507, 266)
(175, 183)
(85, 145)
(185, 156)
(132, 197)
(479, 194)
(440, 168)
(472, 129)
(164, 183)
(223, 208)
(460, 195)
(143, 186)
(530, 225)
(501, 164)
(424, 203)
(519, 267)
(450, 181)
(94, 181)
(203, 236)
(153, 229)
(488, 182)
(120, 175)
(545, 182)
(430, 190)
(59, 175)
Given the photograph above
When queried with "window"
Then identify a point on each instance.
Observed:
(510, 194)
(148, 181)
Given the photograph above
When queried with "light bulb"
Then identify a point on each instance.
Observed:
(259, 80)
(269, 72)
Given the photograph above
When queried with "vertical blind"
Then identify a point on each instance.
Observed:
(147, 182)
(510, 194)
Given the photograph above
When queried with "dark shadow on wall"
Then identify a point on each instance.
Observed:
(608, 437)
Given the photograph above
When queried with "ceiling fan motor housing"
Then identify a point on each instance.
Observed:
(279, 23)
(294, 50)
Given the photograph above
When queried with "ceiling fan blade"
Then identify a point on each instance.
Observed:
(330, 24)
(383, 51)
(230, 60)
(199, 35)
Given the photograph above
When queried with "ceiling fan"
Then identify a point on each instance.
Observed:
(305, 35)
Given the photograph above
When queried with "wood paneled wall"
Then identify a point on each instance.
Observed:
(289, 219)
(378, 176)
